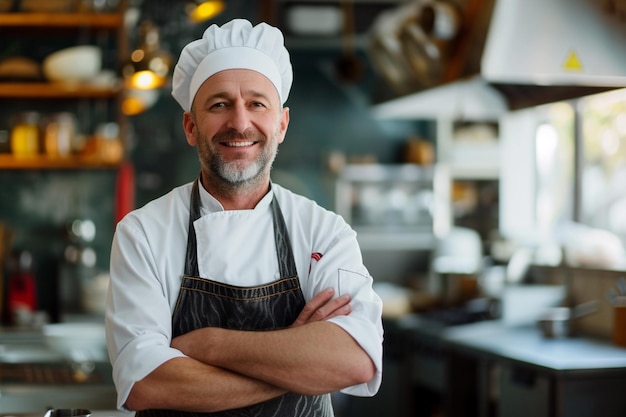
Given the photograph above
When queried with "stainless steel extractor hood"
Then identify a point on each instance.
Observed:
(476, 59)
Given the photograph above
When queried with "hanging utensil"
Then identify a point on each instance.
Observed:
(386, 52)
(422, 54)
(349, 67)
(440, 20)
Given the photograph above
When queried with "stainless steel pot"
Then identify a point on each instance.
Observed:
(560, 322)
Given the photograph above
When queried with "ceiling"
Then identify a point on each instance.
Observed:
(347, 24)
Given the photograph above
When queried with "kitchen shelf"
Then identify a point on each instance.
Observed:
(8, 161)
(381, 240)
(55, 90)
(60, 20)
(42, 93)
(469, 158)
(392, 207)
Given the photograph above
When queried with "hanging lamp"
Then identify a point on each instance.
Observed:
(149, 65)
(198, 11)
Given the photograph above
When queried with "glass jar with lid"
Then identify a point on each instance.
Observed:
(25, 134)
(59, 134)
(108, 143)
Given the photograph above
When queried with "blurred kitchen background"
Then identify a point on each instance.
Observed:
(478, 147)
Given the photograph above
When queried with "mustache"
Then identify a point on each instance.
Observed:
(233, 134)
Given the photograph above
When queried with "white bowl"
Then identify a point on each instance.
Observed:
(76, 341)
(77, 63)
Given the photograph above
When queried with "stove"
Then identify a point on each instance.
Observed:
(472, 311)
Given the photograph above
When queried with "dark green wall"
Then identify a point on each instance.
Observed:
(326, 115)
(39, 206)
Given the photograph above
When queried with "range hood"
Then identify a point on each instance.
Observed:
(505, 55)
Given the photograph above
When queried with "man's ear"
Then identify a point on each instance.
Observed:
(284, 123)
(189, 126)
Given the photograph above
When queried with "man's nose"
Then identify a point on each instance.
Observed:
(239, 118)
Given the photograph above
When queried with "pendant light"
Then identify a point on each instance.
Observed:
(137, 101)
(149, 66)
(199, 11)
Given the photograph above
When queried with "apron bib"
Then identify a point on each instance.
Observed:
(206, 303)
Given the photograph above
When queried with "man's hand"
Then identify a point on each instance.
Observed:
(323, 307)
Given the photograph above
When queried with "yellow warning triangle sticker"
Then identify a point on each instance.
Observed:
(572, 63)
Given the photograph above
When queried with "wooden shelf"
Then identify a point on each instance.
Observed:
(55, 90)
(38, 25)
(68, 20)
(8, 161)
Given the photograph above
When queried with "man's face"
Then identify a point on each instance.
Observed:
(237, 122)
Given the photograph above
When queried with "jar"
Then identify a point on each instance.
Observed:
(25, 134)
(59, 134)
(109, 145)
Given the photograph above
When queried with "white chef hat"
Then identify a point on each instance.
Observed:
(235, 45)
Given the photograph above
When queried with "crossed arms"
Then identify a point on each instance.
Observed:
(225, 369)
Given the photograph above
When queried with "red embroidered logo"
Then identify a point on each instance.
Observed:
(316, 256)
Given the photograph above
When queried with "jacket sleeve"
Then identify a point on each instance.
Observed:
(340, 266)
(138, 314)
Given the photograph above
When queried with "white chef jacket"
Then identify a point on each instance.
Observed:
(235, 247)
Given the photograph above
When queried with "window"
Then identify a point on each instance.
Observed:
(603, 166)
(554, 168)
(566, 162)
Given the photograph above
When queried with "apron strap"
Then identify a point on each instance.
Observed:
(191, 258)
(286, 262)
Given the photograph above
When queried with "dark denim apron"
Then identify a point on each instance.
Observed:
(206, 303)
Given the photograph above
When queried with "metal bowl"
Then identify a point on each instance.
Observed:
(556, 323)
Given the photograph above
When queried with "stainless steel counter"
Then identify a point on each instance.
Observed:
(526, 344)
(33, 378)
(36, 399)
(522, 343)
(489, 369)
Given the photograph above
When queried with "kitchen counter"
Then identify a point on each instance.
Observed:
(519, 343)
(34, 378)
(526, 344)
(490, 369)
(35, 387)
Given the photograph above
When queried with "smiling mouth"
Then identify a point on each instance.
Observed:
(238, 144)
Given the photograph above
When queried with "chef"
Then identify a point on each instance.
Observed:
(231, 295)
